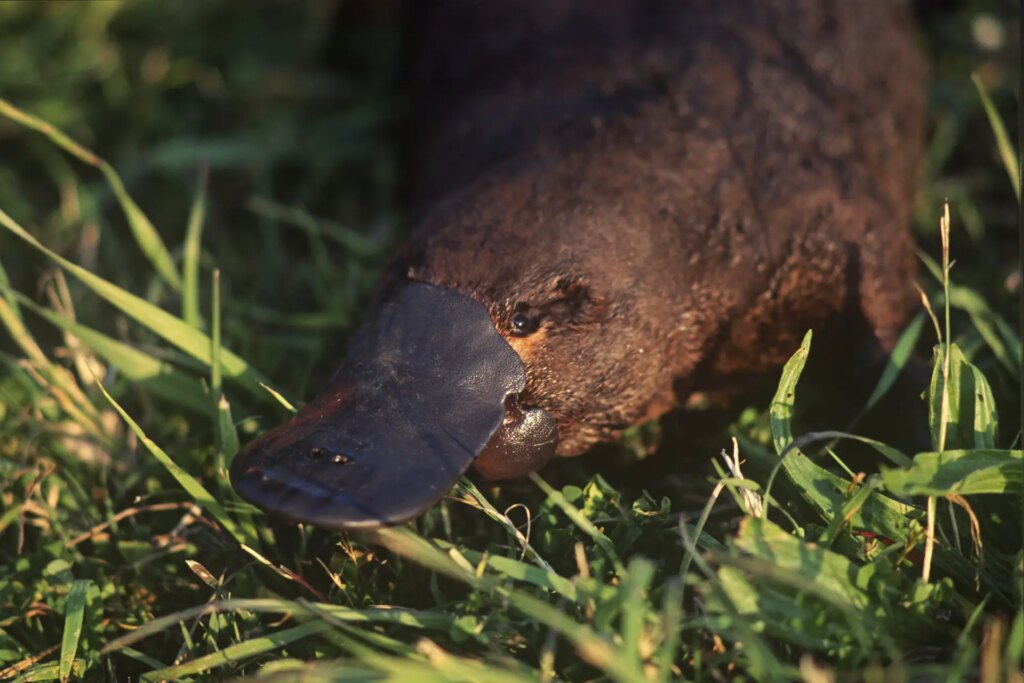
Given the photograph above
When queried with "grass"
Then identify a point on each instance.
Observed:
(125, 392)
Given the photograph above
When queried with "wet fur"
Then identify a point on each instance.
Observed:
(678, 189)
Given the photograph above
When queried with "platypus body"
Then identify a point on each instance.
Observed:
(616, 204)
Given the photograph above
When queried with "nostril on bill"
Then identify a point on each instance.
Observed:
(317, 453)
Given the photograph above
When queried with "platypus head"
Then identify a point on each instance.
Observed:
(427, 386)
(499, 343)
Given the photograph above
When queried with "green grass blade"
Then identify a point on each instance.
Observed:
(894, 455)
(299, 218)
(474, 498)
(825, 491)
(1006, 150)
(49, 376)
(901, 353)
(281, 400)
(143, 658)
(146, 236)
(437, 665)
(1001, 338)
(215, 347)
(47, 671)
(174, 330)
(634, 590)
(191, 253)
(520, 571)
(74, 616)
(408, 543)
(151, 374)
(585, 525)
(227, 434)
(239, 652)
(671, 629)
(1013, 657)
(852, 506)
(963, 472)
(224, 426)
(184, 479)
(986, 419)
(938, 422)
(371, 615)
(590, 646)
(781, 411)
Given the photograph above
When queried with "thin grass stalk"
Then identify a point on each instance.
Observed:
(944, 347)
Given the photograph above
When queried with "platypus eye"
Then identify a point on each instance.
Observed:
(523, 324)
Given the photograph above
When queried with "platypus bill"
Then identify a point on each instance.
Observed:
(617, 204)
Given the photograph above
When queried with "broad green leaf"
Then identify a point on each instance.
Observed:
(825, 491)
(962, 472)
(986, 420)
(972, 421)
(781, 411)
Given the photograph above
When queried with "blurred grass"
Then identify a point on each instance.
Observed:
(125, 562)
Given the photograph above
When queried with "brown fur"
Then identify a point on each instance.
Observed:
(681, 189)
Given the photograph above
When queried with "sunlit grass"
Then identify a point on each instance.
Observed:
(125, 552)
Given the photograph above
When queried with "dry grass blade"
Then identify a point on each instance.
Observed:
(929, 543)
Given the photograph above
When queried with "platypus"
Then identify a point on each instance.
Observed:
(616, 204)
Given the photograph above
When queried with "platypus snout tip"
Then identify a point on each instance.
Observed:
(428, 386)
